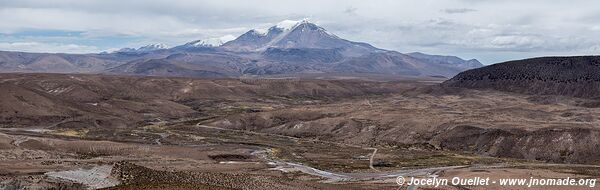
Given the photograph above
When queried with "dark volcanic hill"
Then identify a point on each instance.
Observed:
(568, 76)
(289, 48)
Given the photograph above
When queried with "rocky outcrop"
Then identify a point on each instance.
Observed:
(568, 145)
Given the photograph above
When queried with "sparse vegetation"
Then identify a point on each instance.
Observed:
(332, 128)
(72, 132)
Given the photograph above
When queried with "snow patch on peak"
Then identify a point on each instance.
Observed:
(261, 31)
(304, 21)
(147, 48)
(211, 42)
(227, 38)
(152, 47)
(290, 24)
(202, 43)
(287, 24)
(126, 50)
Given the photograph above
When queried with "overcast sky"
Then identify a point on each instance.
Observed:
(489, 30)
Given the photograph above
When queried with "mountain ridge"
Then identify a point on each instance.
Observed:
(290, 47)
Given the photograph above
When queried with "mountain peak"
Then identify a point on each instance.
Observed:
(306, 26)
(290, 24)
(152, 47)
(286, 24)
(471, 63)
(259, 32)
(210, 42)
(294, 34)
(143, 49)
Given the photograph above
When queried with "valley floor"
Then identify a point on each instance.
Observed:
(178, 133)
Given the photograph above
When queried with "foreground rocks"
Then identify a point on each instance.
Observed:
(132, 175)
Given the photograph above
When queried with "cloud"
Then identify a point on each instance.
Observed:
(490, 30)
(514, 41)
(595, 28)
(351, 10)
(47, 47)
(458, 11)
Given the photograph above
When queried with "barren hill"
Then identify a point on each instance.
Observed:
(61, 100)
(568, 76)
(352, 111)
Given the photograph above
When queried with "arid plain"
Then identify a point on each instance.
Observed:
(71, 131)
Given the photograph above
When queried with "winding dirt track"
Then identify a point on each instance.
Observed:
(333, 177)
(372, 157)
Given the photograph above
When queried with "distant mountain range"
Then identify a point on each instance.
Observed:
(144, 49)
(577, 76)
(290, 47)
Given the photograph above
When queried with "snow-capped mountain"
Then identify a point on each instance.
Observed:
(294, 47)
(296, 34)
(144, 49)
(288, 24)
(288, 47)
(210, 42)
(153, 47)
(126, 50)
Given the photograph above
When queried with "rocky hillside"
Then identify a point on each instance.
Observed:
(61, 100)
(568, 76)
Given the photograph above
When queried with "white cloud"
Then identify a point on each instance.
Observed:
(498, 30)
(595, 28)
(514, 41)
(47, 47)
(458, 10)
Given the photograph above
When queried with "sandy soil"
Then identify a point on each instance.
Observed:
(282, 134)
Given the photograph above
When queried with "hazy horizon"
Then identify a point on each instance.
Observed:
(490, 31)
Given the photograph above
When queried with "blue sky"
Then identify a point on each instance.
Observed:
(489, 30)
